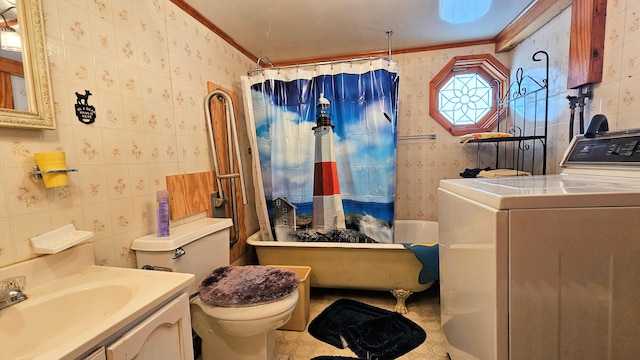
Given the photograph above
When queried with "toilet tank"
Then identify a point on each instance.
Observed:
(195, 248)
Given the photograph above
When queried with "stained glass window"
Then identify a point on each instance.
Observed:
(465, 99)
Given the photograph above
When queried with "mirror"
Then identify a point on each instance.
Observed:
(32, 105)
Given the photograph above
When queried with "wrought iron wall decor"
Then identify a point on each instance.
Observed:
(523, 113)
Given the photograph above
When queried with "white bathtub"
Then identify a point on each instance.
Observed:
(388, 267)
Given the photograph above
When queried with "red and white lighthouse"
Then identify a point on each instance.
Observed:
(327, 202)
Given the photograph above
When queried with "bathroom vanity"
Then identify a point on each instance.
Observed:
(78, 310)
(159, 336)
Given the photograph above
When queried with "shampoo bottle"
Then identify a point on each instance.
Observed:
(162, 207)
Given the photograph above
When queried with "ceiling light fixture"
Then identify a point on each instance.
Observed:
(463, 11)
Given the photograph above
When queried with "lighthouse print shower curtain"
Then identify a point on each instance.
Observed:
(323, 141)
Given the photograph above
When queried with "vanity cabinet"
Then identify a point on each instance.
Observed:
(166, 334)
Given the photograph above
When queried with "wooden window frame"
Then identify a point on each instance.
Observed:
(485, 66)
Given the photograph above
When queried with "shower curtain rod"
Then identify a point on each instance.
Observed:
(371, 58)
(260, 68)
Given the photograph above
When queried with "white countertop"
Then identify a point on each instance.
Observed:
(74, 305)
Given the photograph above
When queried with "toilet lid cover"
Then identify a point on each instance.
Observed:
(247, 285)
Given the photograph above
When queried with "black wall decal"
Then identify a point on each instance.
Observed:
(86, 113)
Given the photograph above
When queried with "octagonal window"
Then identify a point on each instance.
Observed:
(465, 98)
(465, 93)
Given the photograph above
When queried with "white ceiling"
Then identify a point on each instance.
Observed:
(294, 30)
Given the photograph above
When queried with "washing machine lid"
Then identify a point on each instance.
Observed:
(548, 191)
(599, 171)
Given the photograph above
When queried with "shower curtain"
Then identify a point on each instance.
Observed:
(281, 113)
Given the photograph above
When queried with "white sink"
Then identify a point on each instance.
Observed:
(44, 322)
(74, 306)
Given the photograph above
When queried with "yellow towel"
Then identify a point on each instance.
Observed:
(486, 135)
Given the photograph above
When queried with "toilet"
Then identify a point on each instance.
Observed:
(241, 332)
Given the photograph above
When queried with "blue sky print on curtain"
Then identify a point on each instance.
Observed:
(363, 111)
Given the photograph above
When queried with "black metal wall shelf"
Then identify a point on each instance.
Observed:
(525, 109)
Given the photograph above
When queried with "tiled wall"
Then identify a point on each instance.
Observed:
(618, 96)
(422, 163)
(146, 63)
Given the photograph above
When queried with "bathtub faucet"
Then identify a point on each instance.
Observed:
(11, 291)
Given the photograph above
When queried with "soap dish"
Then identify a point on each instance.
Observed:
(58, 240)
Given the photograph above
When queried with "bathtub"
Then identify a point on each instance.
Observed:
(385, 267)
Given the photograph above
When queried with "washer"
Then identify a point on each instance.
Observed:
(545, 267)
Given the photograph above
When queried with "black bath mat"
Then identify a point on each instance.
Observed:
(367, 330)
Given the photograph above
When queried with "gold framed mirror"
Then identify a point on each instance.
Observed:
(37, 111)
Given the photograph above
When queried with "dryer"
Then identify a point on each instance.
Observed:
(548, 266)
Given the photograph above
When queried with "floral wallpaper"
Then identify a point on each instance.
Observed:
(422, 163)
(146, 63)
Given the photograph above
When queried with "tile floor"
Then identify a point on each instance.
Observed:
(424, 309)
